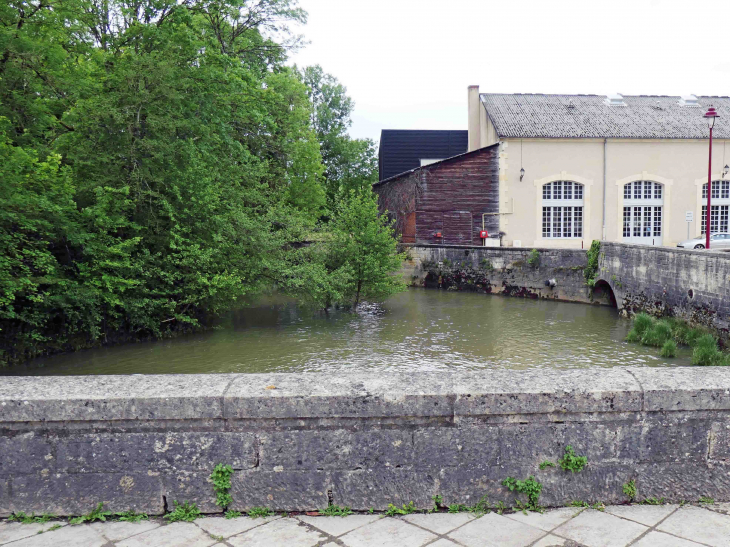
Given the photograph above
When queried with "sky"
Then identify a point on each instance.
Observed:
(407, 64)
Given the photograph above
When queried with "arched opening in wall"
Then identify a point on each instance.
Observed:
(603, 294)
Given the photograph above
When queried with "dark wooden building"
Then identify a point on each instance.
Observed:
(404, 149)
(445, 202)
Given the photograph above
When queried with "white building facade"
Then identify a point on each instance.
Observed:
(574, 168)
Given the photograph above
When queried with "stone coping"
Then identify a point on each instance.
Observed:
(316, 395)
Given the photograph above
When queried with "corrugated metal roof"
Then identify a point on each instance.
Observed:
(588, 116)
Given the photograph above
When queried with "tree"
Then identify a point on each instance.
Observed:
(363, 249)
(349, 164)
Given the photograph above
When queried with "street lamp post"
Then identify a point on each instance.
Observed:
(710, 115)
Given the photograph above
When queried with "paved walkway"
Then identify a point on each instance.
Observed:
(617, 526)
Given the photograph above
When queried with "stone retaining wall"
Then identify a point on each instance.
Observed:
(506, 269)
(694, 285)
(300, 441)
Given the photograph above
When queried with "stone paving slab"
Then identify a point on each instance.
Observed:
(618, 526)
(223, 527)
(13, 531)
(289, 532)
(337, 526)
(388, 532)
(597, 529)
(547, 521)
(660, 539)
(698, 524)
(493, 530)
(177, 534)
(439, 523)
(648, 515)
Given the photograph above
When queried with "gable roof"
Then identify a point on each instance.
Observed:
(525, 115)
(434, 165)
(403, 149)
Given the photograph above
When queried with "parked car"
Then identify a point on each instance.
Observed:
(717, 241)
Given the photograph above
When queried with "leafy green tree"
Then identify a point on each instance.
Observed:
(363, 249)
(349, 164)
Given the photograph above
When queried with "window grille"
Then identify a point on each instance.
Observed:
(562, 211)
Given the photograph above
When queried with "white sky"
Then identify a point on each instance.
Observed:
(407, 63)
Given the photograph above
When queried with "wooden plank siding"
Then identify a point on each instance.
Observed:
(448, 197)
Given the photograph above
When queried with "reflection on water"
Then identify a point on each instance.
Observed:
(422, 330)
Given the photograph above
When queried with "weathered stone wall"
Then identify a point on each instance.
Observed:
(694, 285)
(299, 441)
(502, 270)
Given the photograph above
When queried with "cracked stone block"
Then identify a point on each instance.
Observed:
(376, 488)
(280, 491)
(674, 440)
(155, 451)
(26, 453)
(688, 480)
(438, 447)
(338, 449)
(79, 493)
(194, 487)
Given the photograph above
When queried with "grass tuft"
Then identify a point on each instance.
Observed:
(643, 322)
(669, 349)
(657, 335)
(705, 352)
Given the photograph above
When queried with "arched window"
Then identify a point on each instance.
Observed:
(720, 204)
(562, 209)
(643, 201)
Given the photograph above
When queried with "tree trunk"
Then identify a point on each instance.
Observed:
(357, 295)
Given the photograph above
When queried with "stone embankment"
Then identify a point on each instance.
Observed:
(303, 441)
(556, 274)
(693, 285)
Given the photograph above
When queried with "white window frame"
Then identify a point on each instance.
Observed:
(643, 200)
(720, 204)
(555, 211)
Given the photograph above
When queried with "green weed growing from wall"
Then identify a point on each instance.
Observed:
(221, 478)
(591, 269)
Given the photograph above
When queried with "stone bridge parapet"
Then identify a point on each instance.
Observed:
(300, 441)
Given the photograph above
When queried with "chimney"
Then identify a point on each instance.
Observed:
(474, 119)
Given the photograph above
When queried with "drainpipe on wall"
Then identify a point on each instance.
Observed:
(603, 220)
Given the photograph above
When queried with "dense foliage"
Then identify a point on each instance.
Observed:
(158, 161)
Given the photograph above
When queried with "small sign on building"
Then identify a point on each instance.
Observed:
(689, 216)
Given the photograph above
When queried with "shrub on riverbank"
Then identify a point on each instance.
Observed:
(669, 333)
(158, 162)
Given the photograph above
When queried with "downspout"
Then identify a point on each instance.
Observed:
(603, 220)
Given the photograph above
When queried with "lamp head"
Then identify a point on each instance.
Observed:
(710, 116)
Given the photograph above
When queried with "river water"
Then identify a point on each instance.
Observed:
(418, 330)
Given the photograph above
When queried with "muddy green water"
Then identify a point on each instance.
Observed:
(419, 330)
